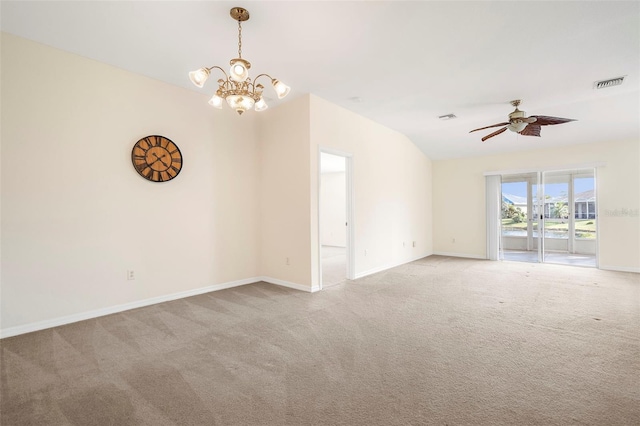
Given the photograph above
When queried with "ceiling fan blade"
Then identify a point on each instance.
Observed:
(497, 132)
(531, 130)
(488, 127)
(544, 120)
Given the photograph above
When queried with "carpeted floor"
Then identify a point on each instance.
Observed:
(334, 265)
(440, 341)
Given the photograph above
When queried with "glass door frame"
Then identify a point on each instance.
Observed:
(530, 180)
(540, 213)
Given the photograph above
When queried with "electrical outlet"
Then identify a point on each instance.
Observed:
(453, 240)
(131, 275)
(286, 261)
(414, 243)
(404, 244)
(365, 252)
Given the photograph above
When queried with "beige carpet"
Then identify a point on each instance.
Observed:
(334, 265)
(440, 341)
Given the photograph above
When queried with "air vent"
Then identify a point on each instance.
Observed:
(447, 117)
(603, 84)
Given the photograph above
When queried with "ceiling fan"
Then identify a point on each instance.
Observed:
(519, 123)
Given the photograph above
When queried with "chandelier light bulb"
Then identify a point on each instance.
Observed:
(239, 69)
(261, 105)
(216, 101)
(247, 102)
(199, 77)
(281, 89)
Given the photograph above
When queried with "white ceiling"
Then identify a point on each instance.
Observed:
(405, 63)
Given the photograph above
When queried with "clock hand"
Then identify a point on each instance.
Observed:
(159, 159)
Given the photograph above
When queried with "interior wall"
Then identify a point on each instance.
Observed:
(284, 194)
(392, 188)
(459, 200)
(333, 209)
(76, 215)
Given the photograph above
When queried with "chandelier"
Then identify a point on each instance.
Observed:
(240, 92)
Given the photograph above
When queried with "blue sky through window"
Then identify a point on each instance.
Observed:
(583, 184)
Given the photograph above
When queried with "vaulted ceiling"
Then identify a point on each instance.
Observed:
(402, 64)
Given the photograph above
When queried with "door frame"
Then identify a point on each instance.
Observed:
(350, 216)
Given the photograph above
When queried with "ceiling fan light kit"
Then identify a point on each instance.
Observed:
(523, 125)
(237, 89)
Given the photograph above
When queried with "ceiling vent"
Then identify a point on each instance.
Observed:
(603, 84)
(447, 117)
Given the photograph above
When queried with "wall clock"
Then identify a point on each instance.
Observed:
(156, 158)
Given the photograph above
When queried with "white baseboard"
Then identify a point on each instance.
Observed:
(384, 268)
(41, 325)
(468, 256)
(289, 284)
(620, 268)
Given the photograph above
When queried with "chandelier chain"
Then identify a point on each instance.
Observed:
(239, 39)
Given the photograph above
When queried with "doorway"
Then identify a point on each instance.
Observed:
(335, 217)
(549, 217)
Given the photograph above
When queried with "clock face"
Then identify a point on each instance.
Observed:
(156, 158)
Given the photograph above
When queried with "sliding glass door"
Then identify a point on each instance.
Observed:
(560, 203)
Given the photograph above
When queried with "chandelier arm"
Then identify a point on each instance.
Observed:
(256, 79)
(223, 71)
